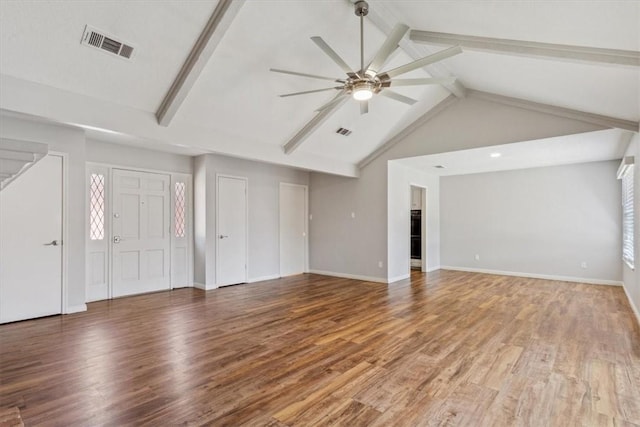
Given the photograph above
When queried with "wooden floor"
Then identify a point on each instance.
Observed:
(451, 349)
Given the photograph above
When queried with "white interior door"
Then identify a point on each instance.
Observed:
(141, 239)
(293, 229)
(31, 243)
(231, 249)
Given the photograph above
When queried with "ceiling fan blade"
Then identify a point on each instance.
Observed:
(310, 91)
(312, 76)
(332, 54)
(338, 98)
(443, 54)
(387, 48)
(395, 95)
(364, 107)
(426, 81)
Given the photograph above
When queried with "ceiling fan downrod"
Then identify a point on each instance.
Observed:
(361, 10)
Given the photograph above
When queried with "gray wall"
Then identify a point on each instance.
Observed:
(264, 238)
(346, 245)
(631, 278)
(72, 142)
(543, 221)
(135, 157)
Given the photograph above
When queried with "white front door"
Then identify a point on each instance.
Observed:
(31, 243)
(141, 241)
(231, 249)
(293, 229)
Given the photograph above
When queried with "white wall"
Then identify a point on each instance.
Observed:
(354, 246)
(263, 188)
(137, 158)
(200, 219)
(544, 221)
(401, 178)
(631, 278)
(71, 141)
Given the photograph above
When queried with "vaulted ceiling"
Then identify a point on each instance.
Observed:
(231, 106)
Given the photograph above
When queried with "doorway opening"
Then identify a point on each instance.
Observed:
(418, 229)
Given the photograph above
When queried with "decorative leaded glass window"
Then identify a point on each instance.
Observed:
(96, 207)
(180, 209)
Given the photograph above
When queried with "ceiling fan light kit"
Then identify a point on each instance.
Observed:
(364, 83)
(362, 91)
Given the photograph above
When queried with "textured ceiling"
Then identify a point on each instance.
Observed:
(234, 103)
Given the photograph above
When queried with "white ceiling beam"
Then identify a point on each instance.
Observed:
(528, 48)
(596, 119)
(316, 121)
(218, 23)
(383, 17)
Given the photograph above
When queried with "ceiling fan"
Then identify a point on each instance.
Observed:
(365, 82)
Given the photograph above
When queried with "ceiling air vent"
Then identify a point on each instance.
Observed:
(100, 40)
(439, 167)
(343, 131)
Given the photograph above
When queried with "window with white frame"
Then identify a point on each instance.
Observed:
(627, 217)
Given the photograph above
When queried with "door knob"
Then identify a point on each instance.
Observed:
(116, 239)
(222, 236)
(53, 243)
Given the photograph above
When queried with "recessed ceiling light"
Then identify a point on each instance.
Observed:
(494, 155)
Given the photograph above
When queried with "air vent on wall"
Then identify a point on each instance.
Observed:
(343, 131)
(100, 40)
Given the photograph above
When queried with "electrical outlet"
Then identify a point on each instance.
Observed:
(380, 264)
(477, 257)
(583, 264)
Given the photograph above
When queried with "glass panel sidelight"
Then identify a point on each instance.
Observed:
(180, 209)
(96, 207)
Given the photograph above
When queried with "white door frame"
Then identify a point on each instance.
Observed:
(246, 224)
(187, 177)
(65, 233)
(306, 225)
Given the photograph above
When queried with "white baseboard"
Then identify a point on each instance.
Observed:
(429, 270)
(263, 278)
(203, 286)
(398, 278)
(350, 276)
(633, 306)
(76, 308)
(535, 276)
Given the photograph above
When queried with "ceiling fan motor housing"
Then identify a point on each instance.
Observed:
(361, 8)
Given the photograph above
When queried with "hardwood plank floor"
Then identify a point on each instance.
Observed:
(452, 348)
